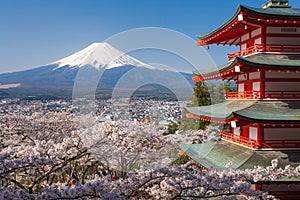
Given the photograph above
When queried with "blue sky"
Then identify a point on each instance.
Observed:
(36, 32)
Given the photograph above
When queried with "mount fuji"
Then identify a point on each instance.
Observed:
(100, 56)
(57, 79)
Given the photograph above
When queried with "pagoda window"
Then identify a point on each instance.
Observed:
(241, 87)
(253, 132)
(256, 86)
(243, 47)
(242, 77)
(256, 32)
(254, 75)
(257, 41)
(237, 131)
(245, 37)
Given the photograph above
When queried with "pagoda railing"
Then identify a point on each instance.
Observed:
(243, 95)
(240, 139)
(254, 94)
(265, 48)
(260, 143)
(250, 50)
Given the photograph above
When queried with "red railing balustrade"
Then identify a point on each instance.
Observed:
(240, 139)
(250, 50)
(265, 48)
(285, 144)
(243, 95)
(267, 95)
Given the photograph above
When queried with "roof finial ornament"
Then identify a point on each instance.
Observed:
(276, 4)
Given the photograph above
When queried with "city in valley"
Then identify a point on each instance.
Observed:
(159, 111)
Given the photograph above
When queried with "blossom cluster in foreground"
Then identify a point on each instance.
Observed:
(51, 157)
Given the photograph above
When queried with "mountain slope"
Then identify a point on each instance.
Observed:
(57, 78)
(99, 55)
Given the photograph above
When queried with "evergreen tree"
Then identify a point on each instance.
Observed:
(201, 97)
(217, 92)
(204, 94)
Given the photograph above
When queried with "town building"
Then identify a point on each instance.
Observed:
(264, 112)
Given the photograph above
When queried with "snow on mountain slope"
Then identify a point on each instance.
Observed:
(101, 56)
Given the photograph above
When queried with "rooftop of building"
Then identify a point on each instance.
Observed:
(254, 111)
(219, 154)
(262, 61)
(284, 12)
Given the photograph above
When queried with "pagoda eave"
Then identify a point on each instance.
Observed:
(254, 112)
(249, 19)
(203, 118)
(260, 62)
(241, 158)
(273, 122)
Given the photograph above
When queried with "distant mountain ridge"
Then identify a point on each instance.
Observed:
(57, 78)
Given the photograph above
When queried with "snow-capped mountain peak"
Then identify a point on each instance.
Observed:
(100, 55)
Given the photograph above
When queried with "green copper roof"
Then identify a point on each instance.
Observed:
(218, 155)
(282, 12)
(262, 60)
(221, 111)
(210, 71)
(253, 111)
(272, 12)
(271, 111)
(271, 60)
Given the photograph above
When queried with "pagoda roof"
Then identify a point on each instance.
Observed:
(220, 111)
(261, 61)
(258, 111)
(270, 13)
(218, 154)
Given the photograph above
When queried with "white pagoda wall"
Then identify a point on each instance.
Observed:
(282, 86)
(283, 40)
(281, 133)
(254, 75)
(282, 35)
(282, 75)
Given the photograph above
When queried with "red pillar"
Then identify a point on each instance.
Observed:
(264, 38)
(260, 135)
(262, 83)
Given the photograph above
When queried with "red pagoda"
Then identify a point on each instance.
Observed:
(264, 112)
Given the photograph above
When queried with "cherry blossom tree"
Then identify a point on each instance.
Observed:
(48, 156)
(31, 140)
(172, 182)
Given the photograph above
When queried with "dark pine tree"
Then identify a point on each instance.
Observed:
(201, 97)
